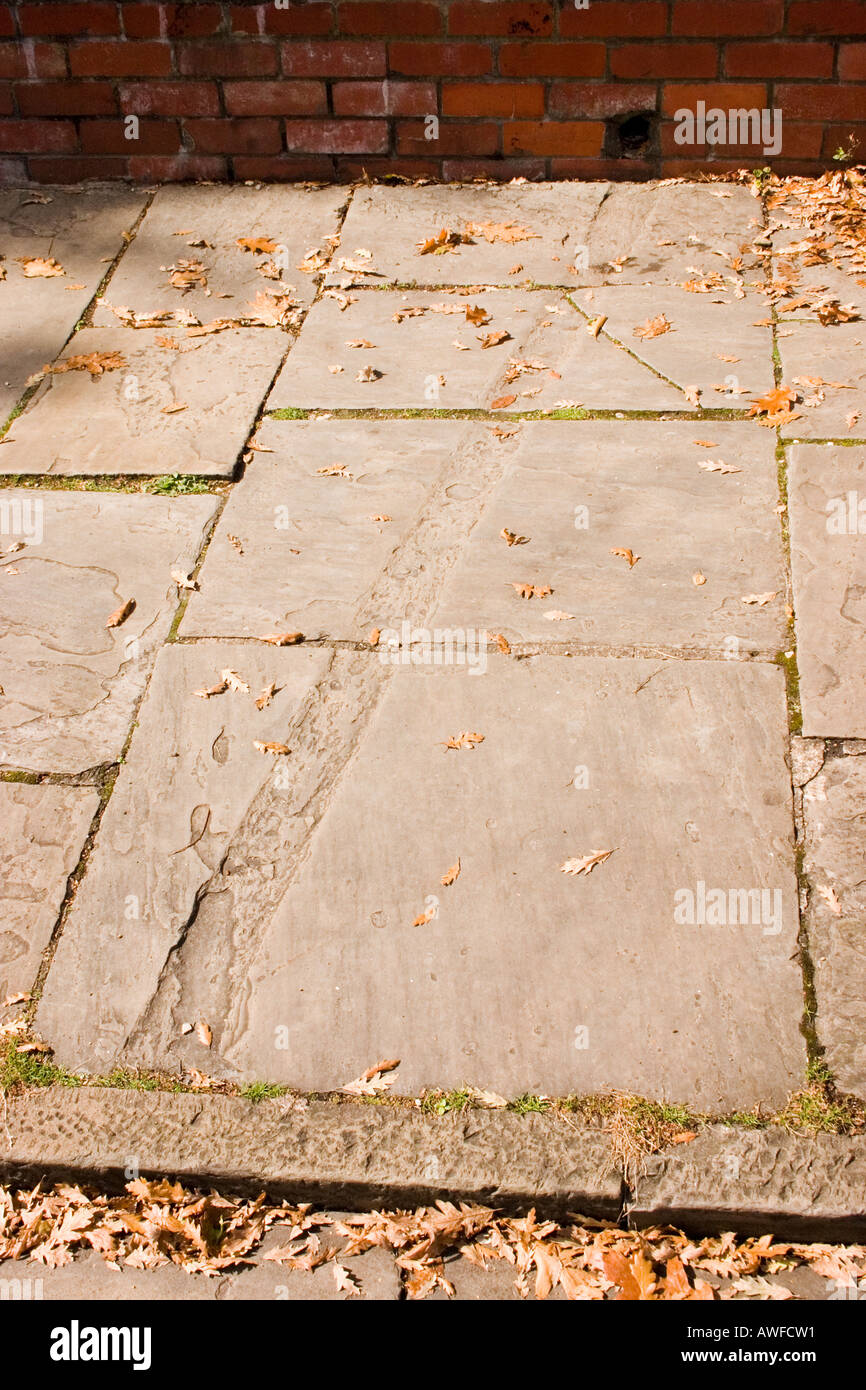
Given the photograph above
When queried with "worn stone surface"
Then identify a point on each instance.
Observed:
(42, 833)
(311, 547)
(83, 231)
(686, 782)
(827, 500)
(186, 408)
(834, 804)
(838, 356)
(352, 1156)
(755, 1181)
(579, 490)
(662, 233)
(705, 329)
(295, 218)
(413, 355)
(70, 684)
(392, 222)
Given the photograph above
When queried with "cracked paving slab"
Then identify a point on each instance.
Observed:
(181, 217)
(579, 490)
(70, 684)
(834, 804)
(827, 504)
(177, 405)
(420, 367)
(83, 232)
(311, 546)
(705, 329)
(657, 762)
(42, 834)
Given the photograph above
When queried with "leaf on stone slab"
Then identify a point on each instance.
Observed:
(758, 600)
(503, 643)
(831, 898)
(93, 362)
(698, 578)
(692, 394)
(218, 689)
(512, 537)
(344, 1281)
(477, 315)
(424, 917)
(39, 267)
(258, 245)
(282, 639)
(624, 554)
(121, 614)
(203, 1032)
(275, 749)
(654, 327)
(234, 681)
(374, 635)
(359, 343)
(463, 740)
(508, 233)
(493, 339)
(596, 325)
(717, 466)
(266, 696)
(334, 470)
(502, 402)
(374, 1080)
(369, 374)
(556, 615)
(451, 875)
(184, 581)
(587, 863)
(445, 240)
(531, 590)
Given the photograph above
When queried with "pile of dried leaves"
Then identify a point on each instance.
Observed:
(157, 1223)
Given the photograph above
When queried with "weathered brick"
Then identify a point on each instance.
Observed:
(284, 98)
(725, 95)
(802, 101)
(7, 105)
(225, 58)
(66, 99)
(810, 17)
(355, 58)
(76, 168)
(12, 60)
(511, 100)
(73, 20)
(504, 18)
(460, 170)
(109, 137)
(350, 168)
(337, 137)
(169, 98)
(553, 137)
(838, 137)
(389, 18)
(779, 60)
(717, 18)
(258, 135)
(161, 168)
(471, 138)
(434, 59)
(665, 60)
(43, 60)
(600, 100)
(311, 19)
(616, 19)
(283, 168)
(120, 58)
(191, 21)
(37, 137)
(852, 62)
(387, 98)
(552, 59)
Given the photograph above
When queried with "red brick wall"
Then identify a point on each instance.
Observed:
(323, 89)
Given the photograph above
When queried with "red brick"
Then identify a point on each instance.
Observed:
(779, 60)
(599, 100)
(169, 98)
(7, 22)
(76, 20)
(77, 168)
(552, 59)
(504, 17)
(384, 98)
(7, 105)
(337, 137)
(679, 95)
(162, 168)
(684, 168)
(120, 59)
(350, 169)
(107, 137)
(665, 60)
(12, 60)
(746, 153)
(617, 170)
(226, 58)
(283, 168)
(435, 59)
(838, 137)
(811, 17)
(460, 170)
(259, 135)
(716, 18)
(66, 99)
(275, 98)
(477, 137)
(511, 100)
(334, 59)
(823, 103)
(37, 137)
(852, 62)
(194, 21)
(141, 21)
(387, 18)
(311, 19)
(619, 19)
(553, 137)
(43, 60)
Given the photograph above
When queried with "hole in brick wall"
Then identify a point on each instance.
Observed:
(632, 136)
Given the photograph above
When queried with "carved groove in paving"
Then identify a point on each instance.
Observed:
(69, 683)
(186, 408)
(416, 355)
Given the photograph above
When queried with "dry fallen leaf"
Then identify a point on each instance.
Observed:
(698, 578)
(184, 581)
(625, 554)
(39, 268)
(502, 402)
(831, 898)
(512, 538)
(266, 696)
(259, 245)
(759, 600)
(369, 374)
(717, 466)
(374, 635)
(121, 614)
(282, 639)
(219, 689)
(463, 740)
(446, 240)
(451, 875)
(424, 917)
(503, 643)
(373, 1080)
(204, 1033)
(94, 362)
(556, 615)
(654, 328)
(344, 1281)
(234, 681)
(276, 749)
(531, 590)
(597, 324)
(505, 232)
(587, 863)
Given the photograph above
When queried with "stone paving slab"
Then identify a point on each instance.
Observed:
(311, 547)
(191, 771)
(420, 368)
(70, 684)
(81, 231)
(705, 329)
(581, 231)
(42, 833)
(686, 783)
(827, 501)
(837, 355)
(392, 223)
(183, 408)
(296, 219)
(579, 490)
(834, 804)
